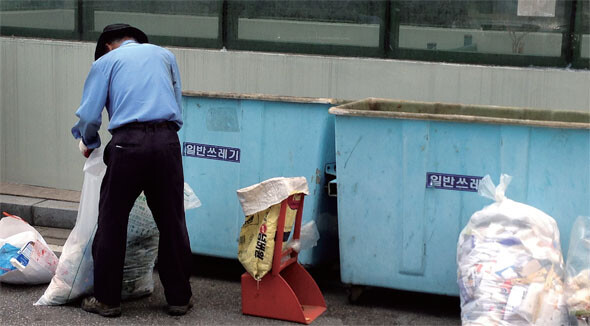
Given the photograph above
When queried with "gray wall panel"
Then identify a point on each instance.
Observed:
(42, 83)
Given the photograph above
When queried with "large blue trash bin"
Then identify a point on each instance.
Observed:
(231, 141)
(398, 229)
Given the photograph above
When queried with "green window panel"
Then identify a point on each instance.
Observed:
(166, 22)
(508, 32)
(335, 27)
(51, 18)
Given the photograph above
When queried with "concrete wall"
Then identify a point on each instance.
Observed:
(42, 80)
(40, 91)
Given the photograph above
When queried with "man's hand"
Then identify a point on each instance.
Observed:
(85, 151)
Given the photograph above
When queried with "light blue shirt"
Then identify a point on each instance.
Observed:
(137, 83)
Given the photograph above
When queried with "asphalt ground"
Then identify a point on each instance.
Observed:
(217, 295)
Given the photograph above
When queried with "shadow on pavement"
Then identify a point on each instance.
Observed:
(328, 279)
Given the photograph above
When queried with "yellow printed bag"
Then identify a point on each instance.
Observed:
(261, 204)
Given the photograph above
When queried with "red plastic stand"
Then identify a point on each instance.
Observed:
(287, 292)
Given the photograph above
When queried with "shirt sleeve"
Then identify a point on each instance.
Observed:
(176, 82)
(94, 98)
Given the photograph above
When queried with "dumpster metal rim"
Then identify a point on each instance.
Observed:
(453, 112)
(457, 118)
(265, 97)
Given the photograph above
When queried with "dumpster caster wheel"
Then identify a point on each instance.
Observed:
(354, 293)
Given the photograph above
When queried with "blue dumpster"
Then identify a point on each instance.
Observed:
(232, 141)
(407, 174)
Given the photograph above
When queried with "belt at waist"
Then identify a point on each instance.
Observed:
(148, 126)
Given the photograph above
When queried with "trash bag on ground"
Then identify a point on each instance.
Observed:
(261, 204)
(510, 266)
(142, 246)
(141, 251)
(25, 257)
(74, 277)
(577, 270)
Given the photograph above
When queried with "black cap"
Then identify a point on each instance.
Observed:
(115, 31)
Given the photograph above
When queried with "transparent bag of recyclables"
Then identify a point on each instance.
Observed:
(577, 273)
(510, 266)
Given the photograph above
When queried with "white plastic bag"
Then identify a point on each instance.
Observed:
(190, 199)
(25, 257)
(308, 237)
(578, 269)
(74, 276)
(510, 267)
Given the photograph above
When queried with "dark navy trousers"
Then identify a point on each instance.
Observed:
(142, 157)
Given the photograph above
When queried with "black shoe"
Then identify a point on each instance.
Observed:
(91, 304)
(180, 310)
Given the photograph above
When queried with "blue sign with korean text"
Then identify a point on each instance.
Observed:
(452, 181)
(211, 152)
